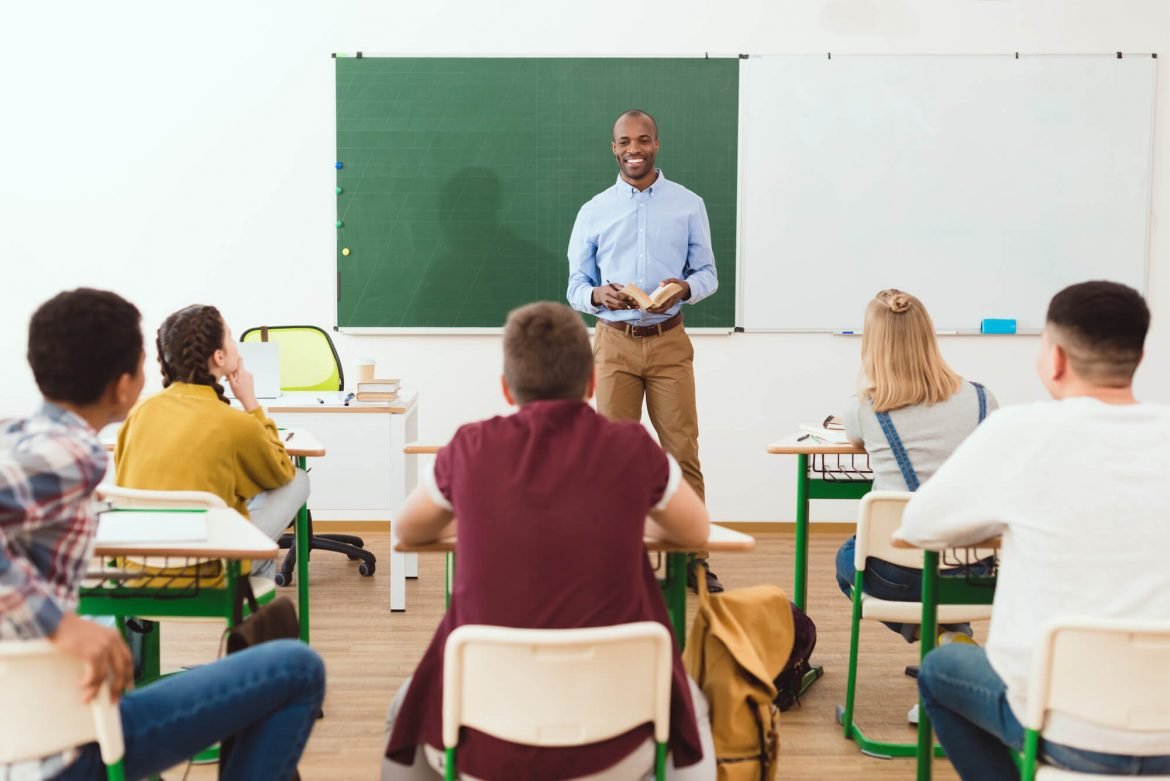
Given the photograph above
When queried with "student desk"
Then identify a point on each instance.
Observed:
(301, 445)
(367, 476)
(816, 481)
(230, 537)
(935, 591)
(674, 585)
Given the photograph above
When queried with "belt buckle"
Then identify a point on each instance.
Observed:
(631, 331)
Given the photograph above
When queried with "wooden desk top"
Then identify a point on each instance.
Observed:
(991, 544)
(334, 401)
(421, 448)
(301, 442)
(229, 536)
(720, 540)
(789, 446)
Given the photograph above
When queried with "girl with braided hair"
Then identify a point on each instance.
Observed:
(190, 438)
(910, 413)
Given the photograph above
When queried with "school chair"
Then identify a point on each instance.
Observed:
(38, 679)
(879, 516)
(1068, 677)
(557, 687)
(119, 497)
(309, 362)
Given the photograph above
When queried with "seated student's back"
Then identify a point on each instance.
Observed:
(552, 504)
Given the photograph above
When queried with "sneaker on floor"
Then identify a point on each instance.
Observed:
(912, 716)
(946, 638)
(713, 584)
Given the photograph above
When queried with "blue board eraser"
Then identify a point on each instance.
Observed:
(993, 325)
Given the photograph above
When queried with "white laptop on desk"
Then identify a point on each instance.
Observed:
(263, 360)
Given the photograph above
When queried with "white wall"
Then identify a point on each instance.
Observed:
(180, 155)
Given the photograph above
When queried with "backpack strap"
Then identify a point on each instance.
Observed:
(982, 393)
(900, 455)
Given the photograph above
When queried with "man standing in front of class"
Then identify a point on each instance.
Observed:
(647, 231)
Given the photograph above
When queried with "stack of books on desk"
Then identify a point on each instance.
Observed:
(377, 390)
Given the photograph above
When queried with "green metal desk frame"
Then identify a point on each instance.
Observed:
(808, 488)
(301, 540)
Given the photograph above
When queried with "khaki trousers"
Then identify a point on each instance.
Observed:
(661, 370)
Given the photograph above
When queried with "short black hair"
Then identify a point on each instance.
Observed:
(1102, 326)
(80, 341)
(546, 353)
(639, 113)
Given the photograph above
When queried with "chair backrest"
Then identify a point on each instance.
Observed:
(878, 518)
(118, 496)
(1108, 672)
(308, 359)
(43, 712)
(557, 687)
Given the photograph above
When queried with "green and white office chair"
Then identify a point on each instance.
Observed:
(557, 687)
(1111, 673)
(879, 516)
(43, 712)
(309, 362)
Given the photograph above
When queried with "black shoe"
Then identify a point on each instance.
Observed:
(713, 584)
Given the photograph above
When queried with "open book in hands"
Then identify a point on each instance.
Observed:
(646, 301)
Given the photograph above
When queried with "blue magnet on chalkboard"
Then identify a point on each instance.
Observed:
(338, 165)
(992, 325)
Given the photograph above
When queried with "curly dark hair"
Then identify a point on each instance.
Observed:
(80, 341)
(186, 341)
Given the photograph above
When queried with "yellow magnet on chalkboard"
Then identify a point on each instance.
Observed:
(345, 251)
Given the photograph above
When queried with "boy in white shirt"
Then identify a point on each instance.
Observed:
(1078, 490)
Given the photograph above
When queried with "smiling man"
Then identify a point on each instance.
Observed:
(648, 231)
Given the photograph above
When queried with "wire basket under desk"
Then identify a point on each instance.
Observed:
(840, 468)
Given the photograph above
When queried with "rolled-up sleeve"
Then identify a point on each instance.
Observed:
(700, 271)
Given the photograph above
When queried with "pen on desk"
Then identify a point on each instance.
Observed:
(803, 437)
(348, 399)
(320, 400)
(291, 434)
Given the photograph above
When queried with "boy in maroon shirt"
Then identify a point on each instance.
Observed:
(552, 504)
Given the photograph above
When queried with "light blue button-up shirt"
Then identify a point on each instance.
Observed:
(624, 235)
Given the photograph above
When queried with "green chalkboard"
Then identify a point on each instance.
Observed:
(461, 177)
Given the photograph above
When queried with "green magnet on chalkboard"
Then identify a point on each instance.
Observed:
(339, 191)
(345, 251)
(339, 223)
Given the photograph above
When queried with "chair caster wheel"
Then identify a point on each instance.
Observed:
(283, 579)
(840, 715)
(366, 569)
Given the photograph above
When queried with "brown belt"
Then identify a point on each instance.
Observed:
(640, 331)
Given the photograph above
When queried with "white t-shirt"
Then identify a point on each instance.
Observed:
(1080, 492)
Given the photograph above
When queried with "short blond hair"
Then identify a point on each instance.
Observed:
(900, 360)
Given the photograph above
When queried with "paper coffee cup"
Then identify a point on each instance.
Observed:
(363, 370)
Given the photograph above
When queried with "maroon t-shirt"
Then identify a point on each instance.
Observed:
(551, 504)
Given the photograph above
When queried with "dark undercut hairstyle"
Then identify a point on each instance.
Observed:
(1102, 328)
(81, 341)
(546, 353)
(186, 341)
(638, 114)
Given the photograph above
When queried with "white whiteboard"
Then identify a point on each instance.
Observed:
(982, 184)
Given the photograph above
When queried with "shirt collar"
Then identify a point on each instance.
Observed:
(622, 187)
(191, 389)
(64, 417)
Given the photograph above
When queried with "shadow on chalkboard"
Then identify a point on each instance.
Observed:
(485, 265)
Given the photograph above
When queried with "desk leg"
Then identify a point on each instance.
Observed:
(403, 478)
(301, 539)
(926, 641)
(674, 589)
(800, 585)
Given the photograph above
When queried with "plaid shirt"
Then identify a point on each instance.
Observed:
(50, 465)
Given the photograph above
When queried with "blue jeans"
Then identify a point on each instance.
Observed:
(268, 696)
(967, 703)
(896, 583)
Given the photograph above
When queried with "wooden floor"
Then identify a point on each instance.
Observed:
(368, 651)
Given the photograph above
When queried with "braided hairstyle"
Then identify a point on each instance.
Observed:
(186, 341)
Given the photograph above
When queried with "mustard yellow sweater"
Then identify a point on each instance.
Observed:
(186, 439)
